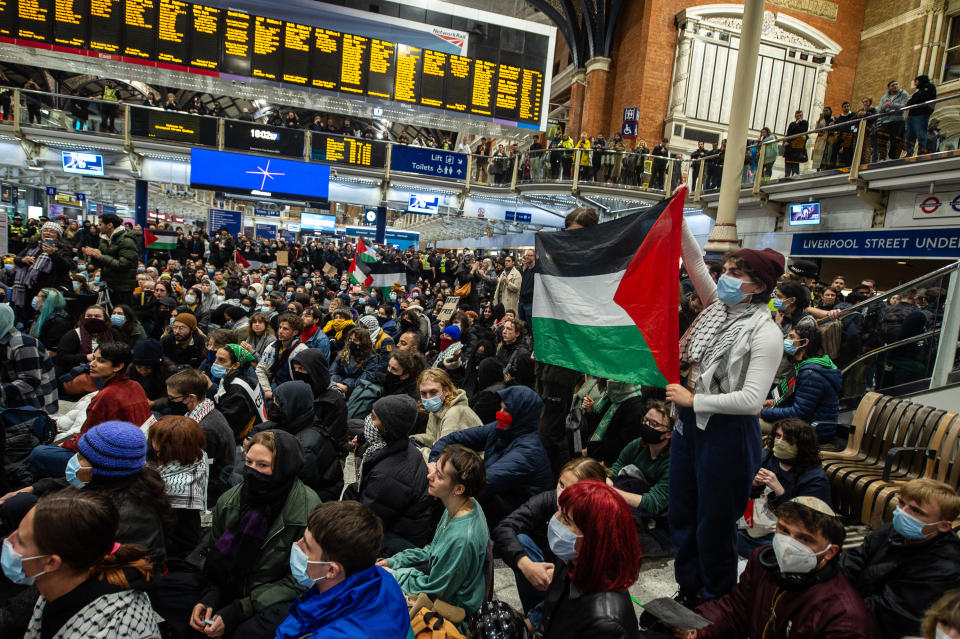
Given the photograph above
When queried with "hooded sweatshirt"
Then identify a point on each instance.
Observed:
(329, 405)
(516, 462)
(816, 393)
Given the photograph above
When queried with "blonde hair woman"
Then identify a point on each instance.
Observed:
(447, 406)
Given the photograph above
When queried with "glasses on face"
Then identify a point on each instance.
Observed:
(655, 425)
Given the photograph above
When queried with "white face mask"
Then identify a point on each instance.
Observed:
(941, 634)
(793, 556)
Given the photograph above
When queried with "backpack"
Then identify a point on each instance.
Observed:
(892, 321)
(23, 429)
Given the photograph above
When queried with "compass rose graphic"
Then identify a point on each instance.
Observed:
(265, 172)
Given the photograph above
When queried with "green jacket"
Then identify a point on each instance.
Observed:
(118, 262)
(271, 581)
(656, 471)
(455, 556)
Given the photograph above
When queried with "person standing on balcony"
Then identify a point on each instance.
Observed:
(109, 110)
(795, 148)
(696, 164)
(890, 124)
(919, 114)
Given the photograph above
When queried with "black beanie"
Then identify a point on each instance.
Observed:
(398, 414)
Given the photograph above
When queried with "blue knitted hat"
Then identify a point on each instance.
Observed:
(114, 449)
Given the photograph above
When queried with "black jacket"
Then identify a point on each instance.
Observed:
(899, 581)
(393, 484)
(329, 405)
(570, 614)
(194, 353)
(924, 93)
(531, 519)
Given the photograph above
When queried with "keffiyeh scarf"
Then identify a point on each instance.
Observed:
(26, 278)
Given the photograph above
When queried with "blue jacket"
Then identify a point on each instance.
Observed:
(350, 373)
(816, 395)
(516, 461)
(366, 604)
(321, 342)
(390, 328)
(810, 482)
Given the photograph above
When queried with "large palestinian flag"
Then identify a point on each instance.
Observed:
(605, 298)
(159, 240)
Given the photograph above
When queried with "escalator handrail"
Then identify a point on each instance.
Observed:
(943, 270)
(876, 351)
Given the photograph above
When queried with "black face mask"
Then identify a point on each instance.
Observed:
(177, 408)
(301, 377)
(354, 348)
(256, 481)
(650, 435)
(274, 414)
(392, 381)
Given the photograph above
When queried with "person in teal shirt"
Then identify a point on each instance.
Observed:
(458, 550)
(649, 489)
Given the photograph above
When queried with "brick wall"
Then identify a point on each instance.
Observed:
(643, 57)
(893, 54)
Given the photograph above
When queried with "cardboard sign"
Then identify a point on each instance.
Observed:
(329, 269)
(282, 259)
(448, 309)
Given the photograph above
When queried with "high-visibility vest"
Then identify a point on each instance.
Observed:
(109, 93)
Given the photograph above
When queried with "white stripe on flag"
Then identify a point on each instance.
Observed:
(584, 301)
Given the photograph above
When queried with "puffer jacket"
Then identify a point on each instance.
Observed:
(449, 419)
(118, 261)
(393, 484)
(898, 580)
(816, 394)
(516, 461)
(796, 482)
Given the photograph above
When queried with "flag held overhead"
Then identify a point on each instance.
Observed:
(606, 297)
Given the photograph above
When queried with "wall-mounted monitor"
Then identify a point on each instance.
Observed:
(316, 222)
(82, 163)
(804, 214)
(258, 176)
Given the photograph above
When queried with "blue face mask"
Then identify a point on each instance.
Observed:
(9, 267)
(789, 347)
(70, 473)
(76, 285)
(269, 287)
(35, 304)
(288, 294)
(228, 324)
(778, 304)
(97, 279)
(298, 567)
(562, 542)
(433, 404)
(218, 371)
(171, 320)
(343, 287)
(393, 297)
(12, 563)
(728, 290)
(908, 525)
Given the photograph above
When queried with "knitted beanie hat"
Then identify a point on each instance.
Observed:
(114, 449)
(147, 352)
(187, 319)
(52, 226)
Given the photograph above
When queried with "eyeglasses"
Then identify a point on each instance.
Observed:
(655, 425)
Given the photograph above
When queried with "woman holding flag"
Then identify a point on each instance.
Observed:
(732, 350)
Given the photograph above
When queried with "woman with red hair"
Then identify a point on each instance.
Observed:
(595, 539)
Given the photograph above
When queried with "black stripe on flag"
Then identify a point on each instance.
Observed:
(604, 248)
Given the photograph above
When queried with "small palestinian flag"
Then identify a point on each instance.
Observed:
(386, 275)
(605, 297)
(360, 267)
(159, 240)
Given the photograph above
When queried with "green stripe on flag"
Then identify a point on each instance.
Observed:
(614, 352)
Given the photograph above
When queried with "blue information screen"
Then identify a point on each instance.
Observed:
(414, 159)
(82, 163)
(258, 176)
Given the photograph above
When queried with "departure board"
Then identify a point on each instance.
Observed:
(106, 22)
(483, 91)
(205, 37)
(267, 54)
(432, 78)
(531, 96)
(343, 150)
(406, 88)
(458, 88)
(173, 125)
(70, 23)
(380, 72)
(237, 39)
(8, 18)
(173, 27)
(35, 20)
(326, 58)
(140, 21)
(296, 52)
(508, 92)
(355, 53)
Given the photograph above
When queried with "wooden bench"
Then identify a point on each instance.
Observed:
(891, 442)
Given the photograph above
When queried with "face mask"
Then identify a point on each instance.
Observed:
(70, 473)
(117, 320)
(941, 634)
(228, 324)
(650, 435)
(243, 291)
(76, 286)
(35, 304)
(171, 321)
(218, 371)
(778, 304)
(728, 290)
(908, 525)
(305, 377)
(298, 567)
(97, 279)
(416, 295)
(343, 287)
(789, 347)
(393, 297)
(793, 556)
(432, 404)
(354, 348)
(95, 325)
(784, 450)
(504, 420)
(190, 300)
(177, 408)
(308, 286)
(269, 287)
(12, 563)
(562, 541)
